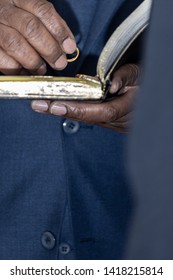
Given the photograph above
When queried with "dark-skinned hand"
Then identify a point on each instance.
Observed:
(31, 32)
(113, 113)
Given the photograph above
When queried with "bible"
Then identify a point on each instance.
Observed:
(82, 87)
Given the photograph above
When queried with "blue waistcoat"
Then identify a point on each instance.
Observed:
(64, 192)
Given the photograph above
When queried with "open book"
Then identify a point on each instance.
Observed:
(82, 87)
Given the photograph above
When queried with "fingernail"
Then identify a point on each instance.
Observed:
(39, 105)
(116, 85)
(69, 45)
(42, 70)
(59, 110)
(61, 62)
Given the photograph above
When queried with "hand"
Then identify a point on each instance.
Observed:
(31, 32)
(114, 113)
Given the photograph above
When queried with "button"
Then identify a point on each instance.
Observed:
(48, 240)
(70, 127)
(64, 248)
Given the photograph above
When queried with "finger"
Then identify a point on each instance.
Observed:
(40, 106)
(47, 14)
(8, 65)
(123, 105)
(87, 112)
(127, 75)
(36, 34)
(106, 112)
(17, 47)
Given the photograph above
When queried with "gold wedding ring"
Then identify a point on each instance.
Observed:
(76, 53)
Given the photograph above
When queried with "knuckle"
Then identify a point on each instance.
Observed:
(32, 28)
(78, 113)
(13, 65)
(52, 52)
(110, 114)
(12, 42)
(8, 64)
(61, 32)
(44, 9)
(133, 70)
(4, 10)
(32, 63)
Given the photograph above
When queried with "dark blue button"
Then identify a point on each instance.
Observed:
(70, 127)
(64, 248)
(48, 240)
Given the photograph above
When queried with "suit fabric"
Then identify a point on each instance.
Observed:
(64, 190)
(151, 153)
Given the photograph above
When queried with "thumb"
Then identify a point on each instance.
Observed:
(126, 75)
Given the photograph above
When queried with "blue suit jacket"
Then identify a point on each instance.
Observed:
(63, 187)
